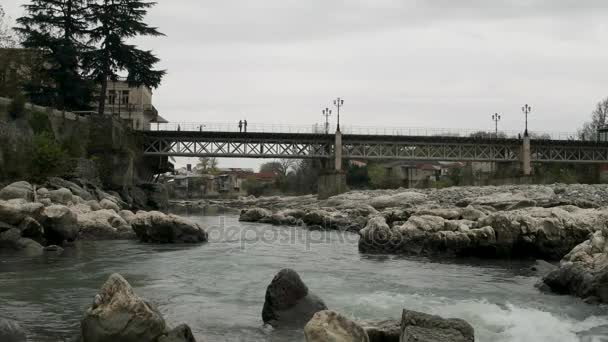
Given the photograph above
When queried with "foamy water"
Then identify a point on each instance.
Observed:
(218, 288)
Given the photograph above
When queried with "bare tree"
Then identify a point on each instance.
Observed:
(598, 120)
(7, 36)
(207, 165)
(279, 167)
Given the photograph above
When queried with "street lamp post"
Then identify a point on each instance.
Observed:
(338, 103)
(526, 109)
(326, 114)
(496, 118)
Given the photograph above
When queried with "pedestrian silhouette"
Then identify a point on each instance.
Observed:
(245, 122)
(240, 125)
(179, 128)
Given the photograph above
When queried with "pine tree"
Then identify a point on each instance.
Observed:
(57, 28)
(113, 23)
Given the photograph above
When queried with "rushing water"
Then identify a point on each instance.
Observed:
(218, 288)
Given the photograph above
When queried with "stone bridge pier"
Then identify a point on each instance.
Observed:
(333, 181)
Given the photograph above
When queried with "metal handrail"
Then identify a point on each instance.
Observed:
(356, 130)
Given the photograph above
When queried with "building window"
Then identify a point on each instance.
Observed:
(111, 96)
(124, 98)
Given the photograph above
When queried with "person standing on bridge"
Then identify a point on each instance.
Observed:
(240, 125)
(245, 124)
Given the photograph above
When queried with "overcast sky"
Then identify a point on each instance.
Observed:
(424, 63)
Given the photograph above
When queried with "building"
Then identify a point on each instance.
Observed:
(133, 104)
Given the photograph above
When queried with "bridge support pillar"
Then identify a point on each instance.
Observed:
(526, 156)
(331, 184)
(338, 151)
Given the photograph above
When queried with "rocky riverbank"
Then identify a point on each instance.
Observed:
(507, 221)
(38, 219)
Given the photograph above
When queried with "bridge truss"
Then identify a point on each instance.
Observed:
(365, 147)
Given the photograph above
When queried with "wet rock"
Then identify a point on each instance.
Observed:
(330, 326)
(382, 331)
(584, 271)
(60, 224)
(61, 196)
(542, 268)
(30, 228)
(181, 333)
(118, 314)
(377, 236)
(53, 248)
(399, 200)
(417, 326)
(254, 214)
(10, 331)
(18, 190)
(11, 240)
(104, 225)
(157, 227)
(289, 302)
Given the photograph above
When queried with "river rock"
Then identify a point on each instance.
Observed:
(61, 196)
(157, 227)
(288, 301)
(254, 214)
(417, 326)
(539, 232)
(118, 314)
(74, 188)
(181, 333)
(14, 211)
(402, 199)
(94, 205)
(60, 223)
(11, 331)
(382, 331)
(18, 190)
(11, 239)
(330, 326)
(127, 215)
(30, 228)
(104, 225)
(584, 271)
(107, 204)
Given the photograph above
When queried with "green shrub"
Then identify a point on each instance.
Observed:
(40, 123)
(48, 158)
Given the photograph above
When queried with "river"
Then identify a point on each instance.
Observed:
(218, 288)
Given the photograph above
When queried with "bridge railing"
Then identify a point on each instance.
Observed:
(360, 130)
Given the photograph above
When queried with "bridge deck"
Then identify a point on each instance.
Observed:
(360, 146)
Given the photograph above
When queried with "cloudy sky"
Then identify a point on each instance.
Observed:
(410, 63)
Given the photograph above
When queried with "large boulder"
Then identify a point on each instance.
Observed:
(118, 314)
(181, 333)
(547, 233)
(61, 196)
(417, 326)
(254, 214)
(16, 210)
(11, 239)
(330, 326)
(288, 301)
(18, 190)
(157, 227)
(11, 331)
(103, 225)
(58, 183)
(584, 271)
(60, 224)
